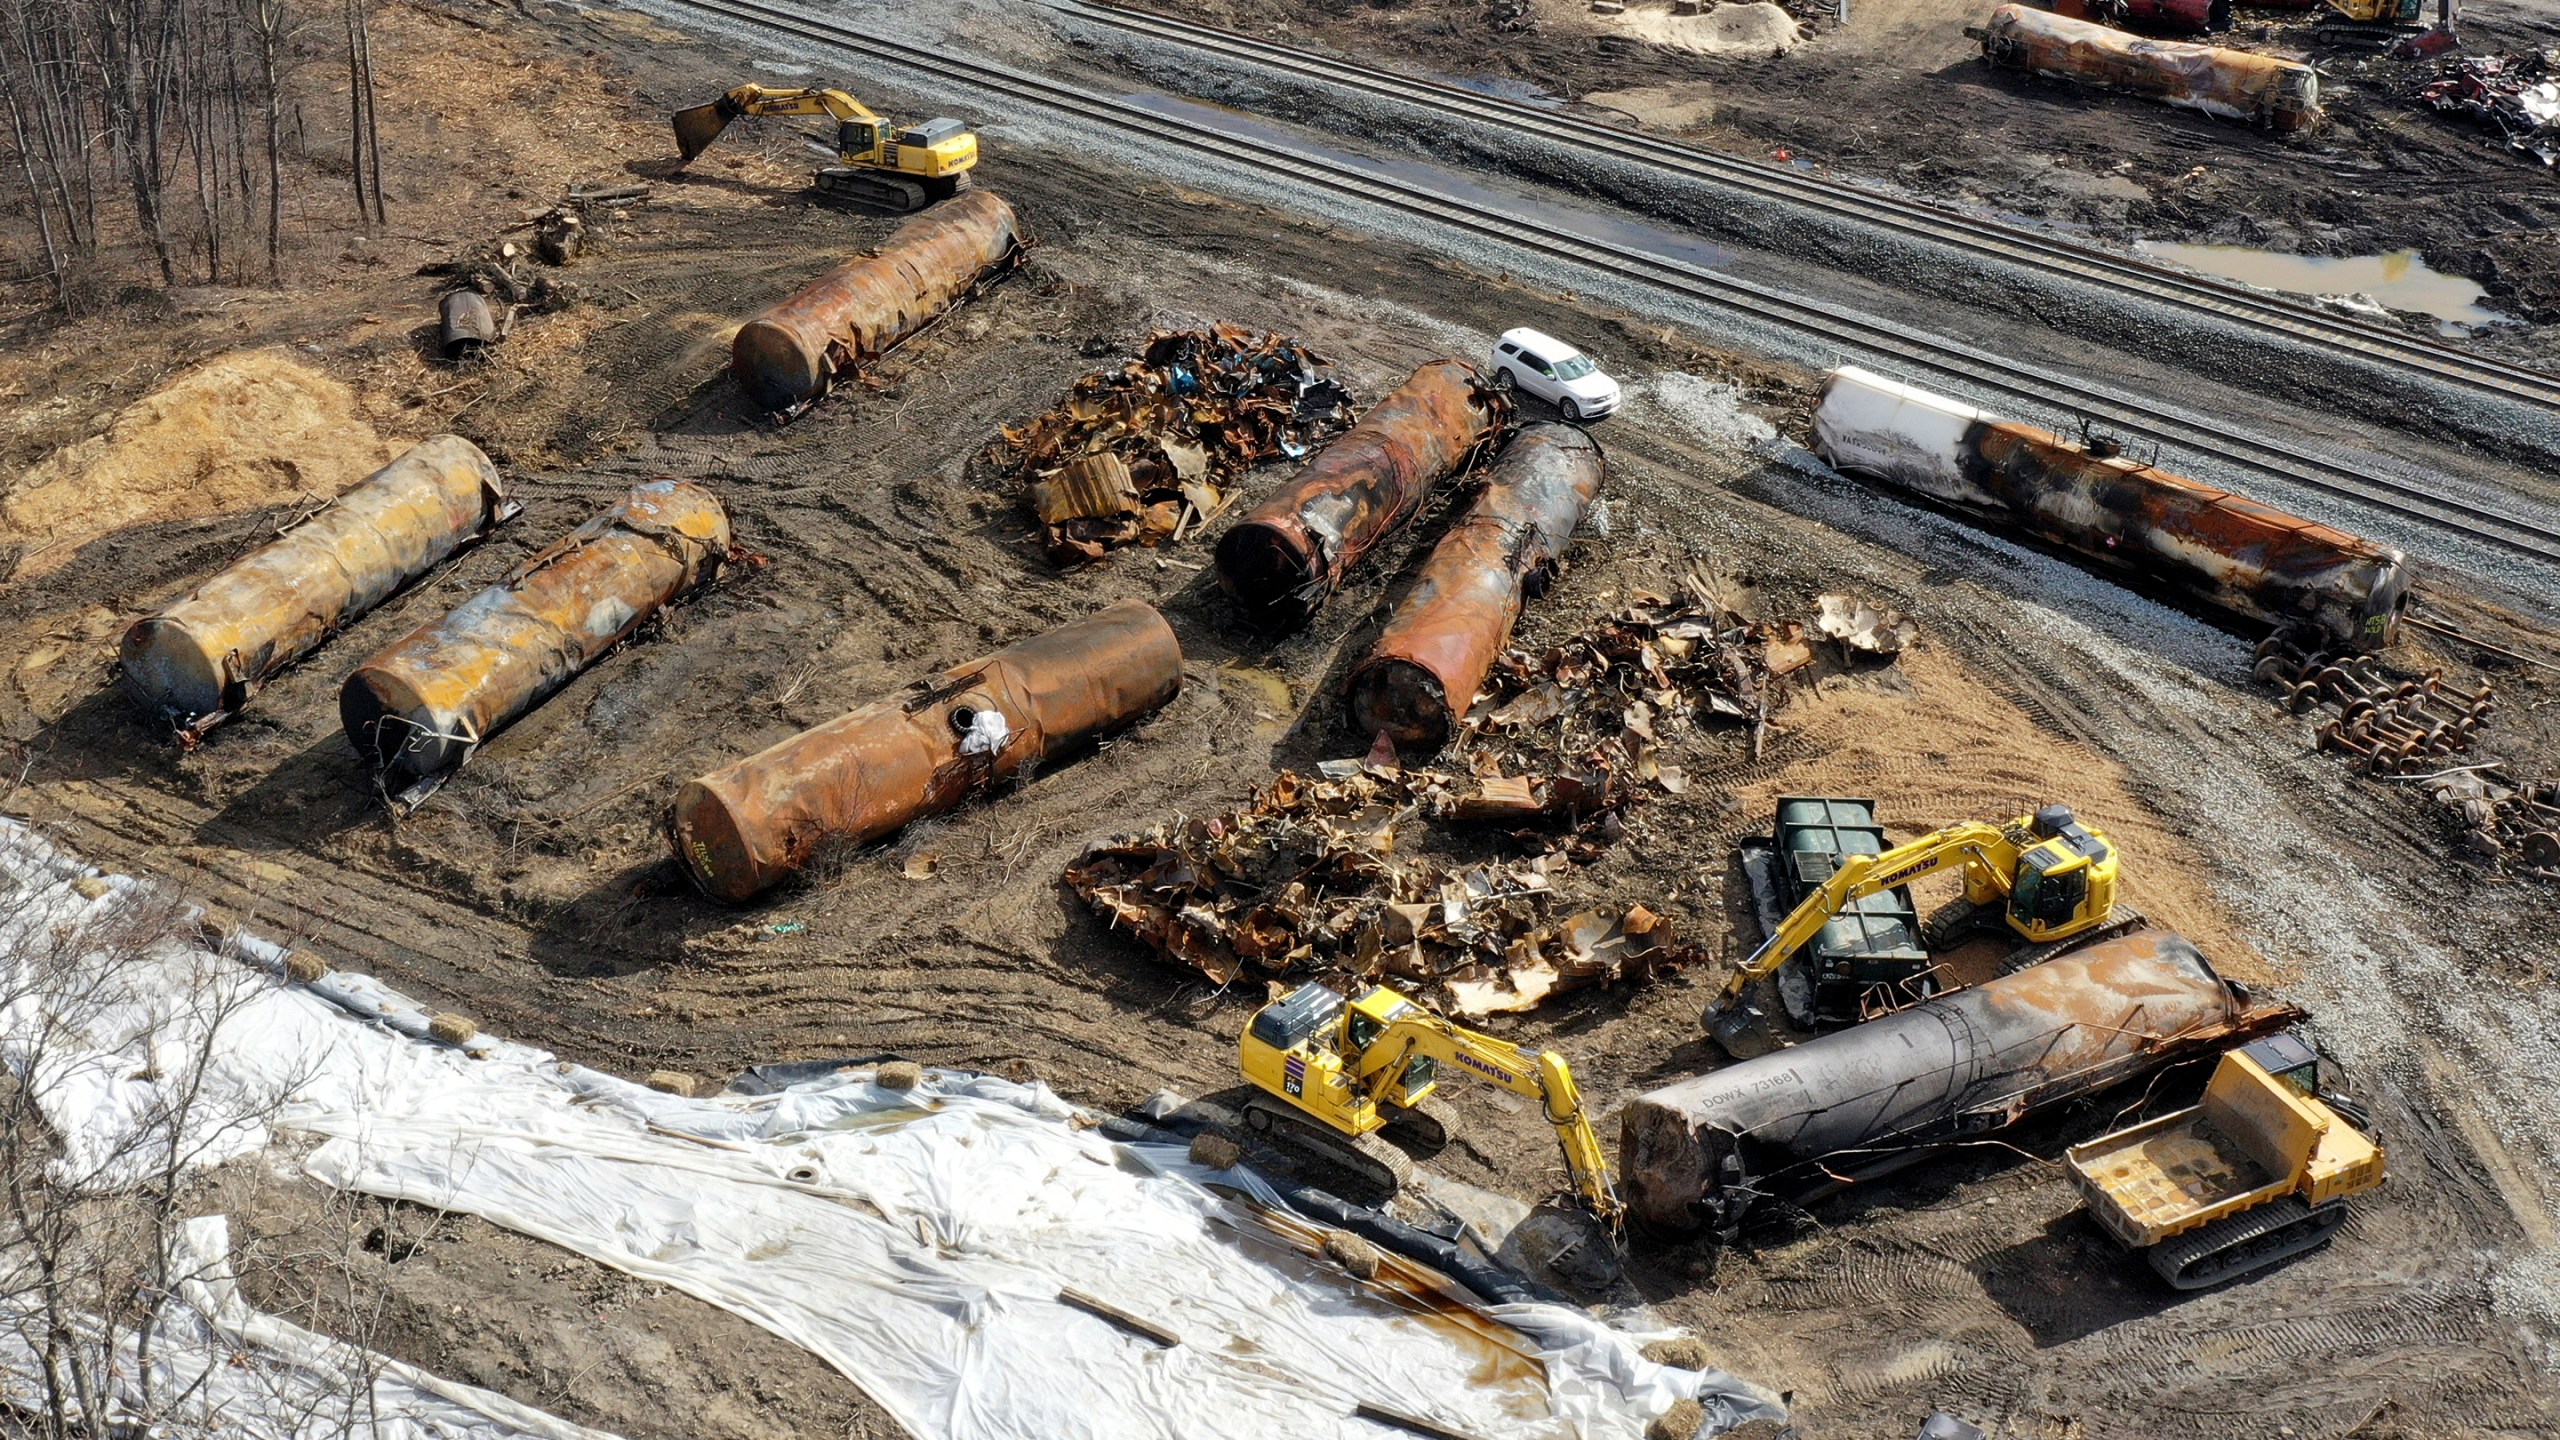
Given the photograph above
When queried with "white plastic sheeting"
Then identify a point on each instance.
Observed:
(219, 1367)
(916, 1240)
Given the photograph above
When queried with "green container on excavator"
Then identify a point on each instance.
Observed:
(1869, 956)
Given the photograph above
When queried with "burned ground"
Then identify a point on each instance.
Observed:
(535, 893)
(1902, 96)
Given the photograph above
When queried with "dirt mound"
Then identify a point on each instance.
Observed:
(1731, 31)
(249, 429)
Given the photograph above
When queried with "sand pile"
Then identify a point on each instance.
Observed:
(246, 430)
(1734, 31)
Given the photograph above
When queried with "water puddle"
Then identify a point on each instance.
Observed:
(2398, 281)
(1450, 184)
(1268, 691)
(1503, 87)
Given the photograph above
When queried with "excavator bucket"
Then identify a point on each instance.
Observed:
(697, 127)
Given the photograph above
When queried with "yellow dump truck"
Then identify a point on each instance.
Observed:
(2260, 1171)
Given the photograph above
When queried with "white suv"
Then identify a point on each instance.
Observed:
(1554, 372)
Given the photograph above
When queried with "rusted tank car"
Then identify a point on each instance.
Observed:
(740, 829)
(2226, 549)
(1422, 674)
(793, 353)
(197, 662)
(2233, 84)
(419, 708)
(1283, 561)
(1853, 1104)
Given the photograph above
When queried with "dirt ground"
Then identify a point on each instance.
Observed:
(535, 894)
(1899, 94)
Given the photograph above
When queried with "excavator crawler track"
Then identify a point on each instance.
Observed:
(2122, 920)
(871, 190)
(1380, 1164)
(1431, 1124)
(2250, 1240)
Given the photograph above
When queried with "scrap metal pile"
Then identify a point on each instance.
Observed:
(2516, 95)
(2391, 727)
(2402, 727)
(2505, 819)
(1305, 878)
(1661, 663)
(1146, 453)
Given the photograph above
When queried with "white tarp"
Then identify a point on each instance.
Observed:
(219, 1367)
(917, 1241)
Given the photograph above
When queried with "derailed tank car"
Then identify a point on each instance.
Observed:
(2224, 549)
(1854, 1104)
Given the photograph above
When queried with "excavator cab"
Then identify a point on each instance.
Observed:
(2066, 878)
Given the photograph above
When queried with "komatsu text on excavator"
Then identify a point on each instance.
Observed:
(1829, 889)
(1332, 1072)
(881, 166)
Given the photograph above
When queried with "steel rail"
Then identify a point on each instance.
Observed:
(1918, 219)
(1674, 277)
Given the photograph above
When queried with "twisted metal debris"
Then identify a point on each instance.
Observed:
(2504, 820)
(1304, 880)
(1146, 453)
(2518, 96)
(1661, 663)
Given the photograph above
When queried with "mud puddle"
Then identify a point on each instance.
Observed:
(2400, 280)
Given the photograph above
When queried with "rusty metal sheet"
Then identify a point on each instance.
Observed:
(792, 354)
(1283, 561)
(2225, 549)
(740, 829)
(198, 661)
(2233, 84)
(1849, 1105)
(1424, 671)
(421, 706)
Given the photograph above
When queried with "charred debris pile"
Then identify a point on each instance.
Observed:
(1149, 452)
(1315, 875)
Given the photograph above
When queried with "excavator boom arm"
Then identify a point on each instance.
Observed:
(1860, 876)
(697, 127)
(1541, 1075)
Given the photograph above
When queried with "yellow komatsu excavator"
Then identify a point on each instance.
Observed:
(1330, 1073)
(880, 165)
(2043, 877)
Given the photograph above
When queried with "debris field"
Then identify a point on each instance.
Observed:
(669, 617)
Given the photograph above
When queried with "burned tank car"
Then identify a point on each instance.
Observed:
(2226, 550)
(1803, 1122)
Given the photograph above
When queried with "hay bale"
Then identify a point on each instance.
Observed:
(92, 887)
(452, 1029)
(1680, 1422)
(898, 1075)
(304, 968)
(1352, 1253)
(1683, 1353)
(671, 1082)
(1214, 1151)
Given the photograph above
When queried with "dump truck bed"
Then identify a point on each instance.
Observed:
(2255, 1138)
(2169, 1176)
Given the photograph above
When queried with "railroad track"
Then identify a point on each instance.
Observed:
(1863, 336)
(1916, 219)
